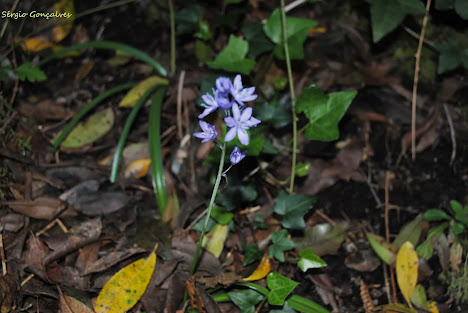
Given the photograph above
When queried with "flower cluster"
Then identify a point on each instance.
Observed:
(230, 98)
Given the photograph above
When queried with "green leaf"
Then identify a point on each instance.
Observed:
(435, 215)
(258, 42)
(387, 15)
(308, 259)
(275, 111)
(458, 228)
(202, 51)
(221, 215)
(323, 111)
(245, 299)
(426, 249)
(386, 251)
(324, 238)
(302, 169)
(410, 232)
(280, 288)
(461, 214)
(461, 7)
(285, 309)
(188, 18)
(233, 57)
(451, 56)
(419, 297)
(293, 208)
(296, 33)
(280, 244)
(259, 223)
(31, 73)
(251, 254)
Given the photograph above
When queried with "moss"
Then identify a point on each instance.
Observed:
(458, 285)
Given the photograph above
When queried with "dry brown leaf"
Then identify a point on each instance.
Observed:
(7, 294)
(100, 203)
(111, 259)
(71, 305)
(84, 70)
(34, 256)
(41, 208)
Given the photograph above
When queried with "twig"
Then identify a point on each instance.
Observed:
(2, 32)
(452, 134)
(180, 89)
(27, 279)
(7, 122)
(415, 35)
(415, 82)
(2, 253)
(50, 225)
(325, 217)
(387, 229)
(387, 283)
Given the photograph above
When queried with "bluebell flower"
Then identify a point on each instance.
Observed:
(210, 105)
(223, 102)
(241, 94)
(209, 132)
(239, 122)
(237, 155)
(223, 85)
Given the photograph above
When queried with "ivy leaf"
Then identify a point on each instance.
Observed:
(308, 259)
(451, 56)
(187, 19)
(461, 214)
(275, 111)
(221, 215)
(296, 33)
(387, 15)
(245, 299)
(280, 244)
(31, 73)
(233, 57)
(258, 42)
(293, 208)
(280, 288)
(251, 254)
(323, 111)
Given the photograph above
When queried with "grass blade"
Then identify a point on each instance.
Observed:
(125, 131)
(154, 137)
(110, 45)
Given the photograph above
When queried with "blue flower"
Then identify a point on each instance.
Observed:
(209, 132)
(223, 85)
(240, 94)
(210, 105)
(239, 123)
(237, 155)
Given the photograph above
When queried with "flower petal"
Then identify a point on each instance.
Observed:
(246, 114)
(230, 121)
(243, 136)
(231, 134)
(236, 112)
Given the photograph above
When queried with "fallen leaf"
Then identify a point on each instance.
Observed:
(84, 70)
(126, 287)
(77, 237)
(111, 259)
(262, 270)
(41, 208)
(214, 240)
(85, 133)
(385, 250)
(225, 279)
(137, 168)
(456, 254)
(407, 270)
(101, 203)
(71, 305)
(136, 92)
(196, 300)
(324, 238)
(34, 256)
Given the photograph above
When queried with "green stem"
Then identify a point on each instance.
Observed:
(154, 138)
(208, 214)
(125, 131)
(85, 110)
(293, 96)
(173, 37)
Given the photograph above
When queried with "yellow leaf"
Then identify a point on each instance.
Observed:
(136, 92)
(66, 8)
(126, 287)
(137, 168)
(262, 270)
(35, 44)
(433, 307)
(214, 240)
(407, 270)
